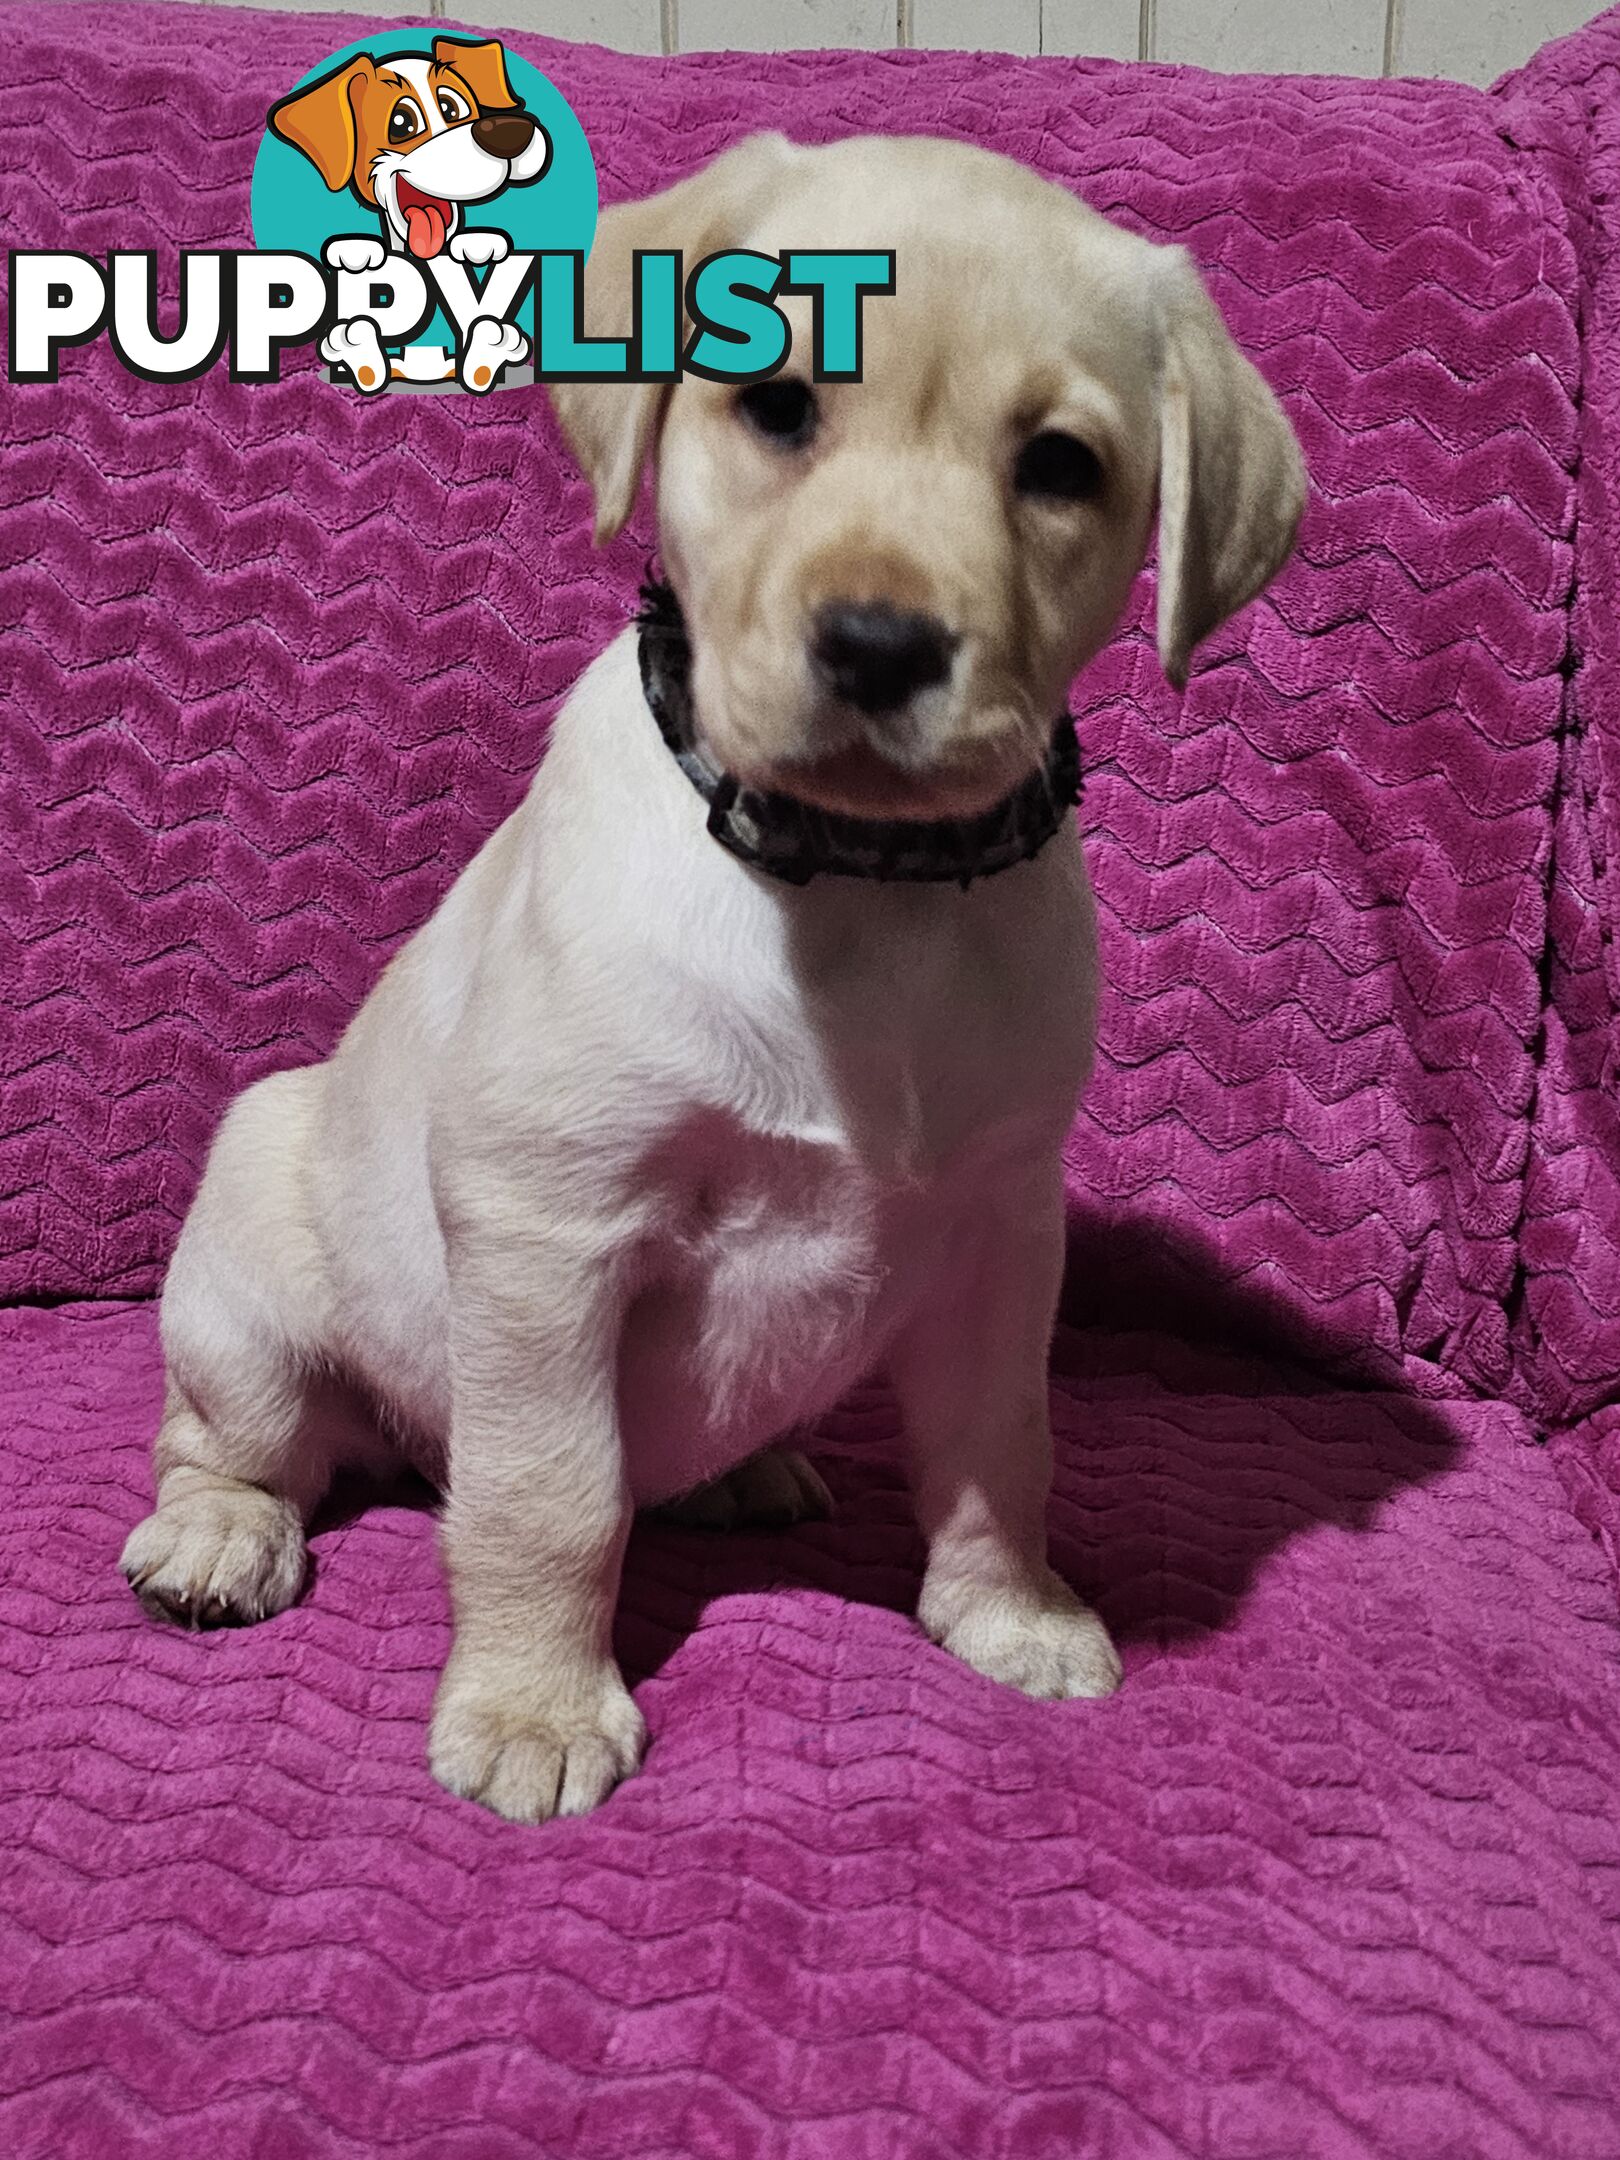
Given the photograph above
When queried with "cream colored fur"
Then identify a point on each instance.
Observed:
(636, 1160)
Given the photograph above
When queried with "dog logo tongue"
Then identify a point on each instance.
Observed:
(424, 228)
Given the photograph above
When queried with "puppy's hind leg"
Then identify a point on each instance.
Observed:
(239, 1469)
(770, 1491)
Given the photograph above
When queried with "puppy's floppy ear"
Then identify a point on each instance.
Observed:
(1231, 478)
(320, 120)
(610, 426)
(482, 67)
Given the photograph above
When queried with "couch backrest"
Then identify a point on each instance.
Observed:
(1565, 108)
(276, 660)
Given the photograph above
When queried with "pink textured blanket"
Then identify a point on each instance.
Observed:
(1339, 1873)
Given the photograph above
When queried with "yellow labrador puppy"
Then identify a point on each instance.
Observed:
(738, 1062)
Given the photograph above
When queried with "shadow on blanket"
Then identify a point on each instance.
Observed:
(1184, 1460)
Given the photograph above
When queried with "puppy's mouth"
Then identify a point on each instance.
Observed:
(917, 763)
(858, 781)
(426, 218)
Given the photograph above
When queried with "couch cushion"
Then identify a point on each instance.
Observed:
(1566, 105)
(284, 658)
(1337, 1875)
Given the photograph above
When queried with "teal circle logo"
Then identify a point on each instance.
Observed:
(425, 172)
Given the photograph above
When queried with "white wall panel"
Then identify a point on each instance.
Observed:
(630, 25)
(781, 25)
(1299, 37)
(1105, 28)
(1470, 40)
(311, 7)
(966, 25)
(1477, 40)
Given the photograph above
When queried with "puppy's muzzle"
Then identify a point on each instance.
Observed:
(876, 657)
(504, 134)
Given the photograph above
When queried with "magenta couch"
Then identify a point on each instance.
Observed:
(1337, 1876)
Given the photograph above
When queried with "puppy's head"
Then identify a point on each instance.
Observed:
(417, 136)
(890, 583)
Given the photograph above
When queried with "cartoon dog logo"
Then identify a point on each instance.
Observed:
(415, 137)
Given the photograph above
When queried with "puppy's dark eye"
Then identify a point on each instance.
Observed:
(405, 120)
(783, 410)
(453, 107)
(1058, 467)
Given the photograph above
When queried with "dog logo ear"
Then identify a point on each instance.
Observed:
(481, 67)
(319, 120)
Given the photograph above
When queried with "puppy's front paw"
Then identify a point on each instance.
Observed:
(529, 1760)
(479, 244)
(221, 1555)
(1042, 1641)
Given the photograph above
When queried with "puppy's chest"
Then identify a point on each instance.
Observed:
(864, 1097)
(774, 1273)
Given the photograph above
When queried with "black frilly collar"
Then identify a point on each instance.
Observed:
(793, 841)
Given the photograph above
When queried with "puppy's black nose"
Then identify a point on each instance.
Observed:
(503, 134)
(875, 657)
